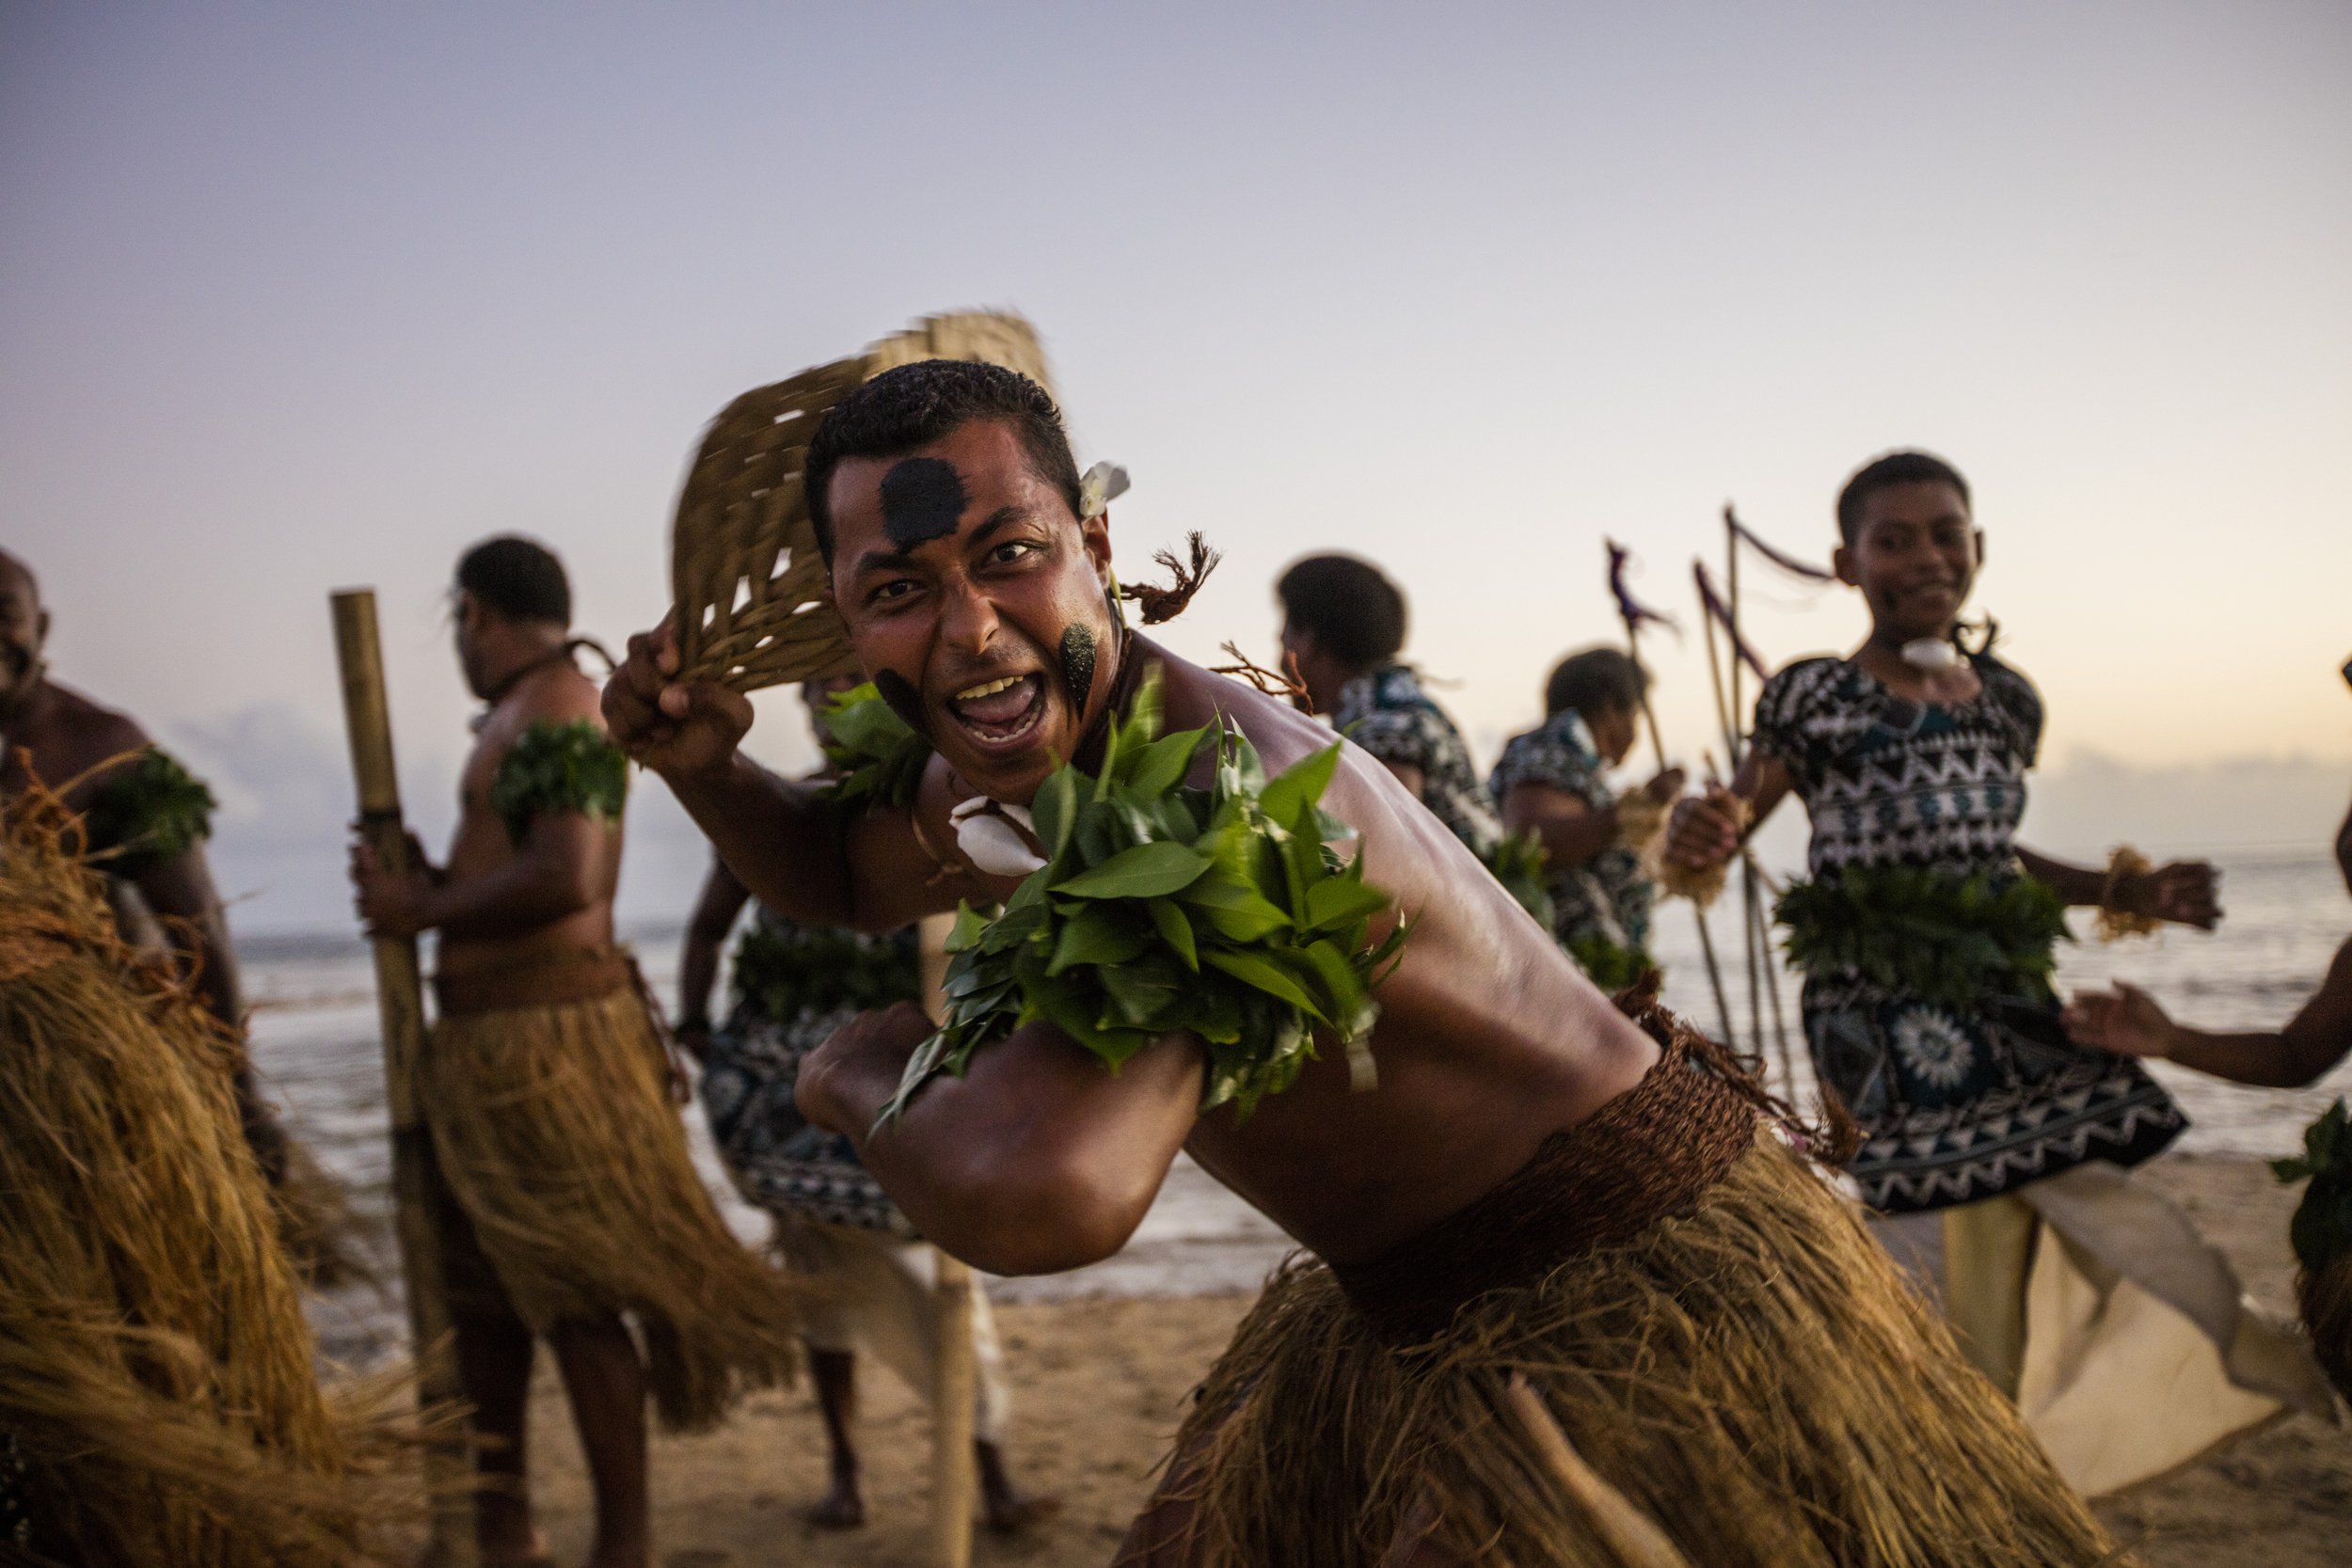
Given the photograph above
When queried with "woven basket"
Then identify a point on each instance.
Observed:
(755, 602)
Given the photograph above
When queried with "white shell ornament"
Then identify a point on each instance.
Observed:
(986, 833)
(1931, 653)
(1101, 485)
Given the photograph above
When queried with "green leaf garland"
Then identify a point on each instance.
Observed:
(1940, 937)
(147, 813)
(2322, 1228)
(1164, 909)
(558, 768)
(877, 756)
(1520, 865)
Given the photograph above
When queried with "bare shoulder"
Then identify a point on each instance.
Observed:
(561, 695)
(81, 738)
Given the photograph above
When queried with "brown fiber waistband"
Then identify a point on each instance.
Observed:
(583, 974)
(1648, 1155)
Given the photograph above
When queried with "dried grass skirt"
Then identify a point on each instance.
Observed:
(156, 1372)
(561, 1146)
(1750, 1370)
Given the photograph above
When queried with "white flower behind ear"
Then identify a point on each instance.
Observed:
(992, 842)
(1102, 485)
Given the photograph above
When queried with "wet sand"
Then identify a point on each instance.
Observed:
(1100, 1385)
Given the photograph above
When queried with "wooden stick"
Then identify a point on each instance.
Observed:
(955, 1478)
(1658, 744)
(1629, 1535)
(400, 1005)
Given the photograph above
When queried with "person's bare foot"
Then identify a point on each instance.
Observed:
(1006, 1510)
(840, 1508)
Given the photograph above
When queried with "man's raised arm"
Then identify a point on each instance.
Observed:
(779, 839)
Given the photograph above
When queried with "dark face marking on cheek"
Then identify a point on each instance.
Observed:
(1077, 665)
(904, 701)
(921, 500)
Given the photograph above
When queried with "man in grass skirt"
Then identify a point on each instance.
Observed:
(1502, 1177)
(573, 1213)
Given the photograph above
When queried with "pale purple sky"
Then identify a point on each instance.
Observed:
(298, 297)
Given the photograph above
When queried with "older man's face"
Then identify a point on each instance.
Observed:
(975, 596)
(23, 632)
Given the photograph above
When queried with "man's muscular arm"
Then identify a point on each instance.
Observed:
(557, 871)
(1040, 1159)
(794, 852)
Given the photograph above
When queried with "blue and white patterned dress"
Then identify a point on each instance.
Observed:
(1955, 1104)
(806, 982)
(1607, 900)
(1388, 714)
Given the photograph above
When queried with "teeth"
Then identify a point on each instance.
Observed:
(988, 688)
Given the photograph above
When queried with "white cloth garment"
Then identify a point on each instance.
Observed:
(2130, 1344)
(876, 1294)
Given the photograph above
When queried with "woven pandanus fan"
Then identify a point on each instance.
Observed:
(754, 607)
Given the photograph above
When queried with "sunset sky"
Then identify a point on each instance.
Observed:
(294, 298)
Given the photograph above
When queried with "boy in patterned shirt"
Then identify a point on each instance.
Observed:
(1925, 935)
(1342, 627)
(1553, 782)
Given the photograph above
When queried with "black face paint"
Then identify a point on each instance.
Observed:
(903, 700)
(1077, 666)
(921, 500)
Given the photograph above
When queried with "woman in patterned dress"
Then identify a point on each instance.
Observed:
(1925, 937)
(1553, 782)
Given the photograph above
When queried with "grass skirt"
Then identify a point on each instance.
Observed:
(1751, 1372)
(561, 1146)
(156, 1373)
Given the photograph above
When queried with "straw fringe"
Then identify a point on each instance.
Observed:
(1754, 1377)
(558, 1138)
(156, 1372)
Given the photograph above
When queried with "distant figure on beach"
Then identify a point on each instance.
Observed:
(570, 1199)
(1553, 782)
(1342, 629)
(144, 820)
(794, 985)
(1534, 1221)
(1925, 935)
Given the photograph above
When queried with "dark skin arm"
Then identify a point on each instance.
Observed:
(779, 839)
(2128, 1020)
(1036, 1162)
(1570, 830)
(723, 898)
(2182, 891)
(555, 873)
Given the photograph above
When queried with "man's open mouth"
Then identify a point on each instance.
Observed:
(999, 712)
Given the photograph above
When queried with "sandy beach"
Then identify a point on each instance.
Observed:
(1101, 1382)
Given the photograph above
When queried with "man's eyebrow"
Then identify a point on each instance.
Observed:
(1004, 516)
(883, 560)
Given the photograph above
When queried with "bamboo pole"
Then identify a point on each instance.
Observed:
(1752, 874)
(955, 1370)
(400, 1003)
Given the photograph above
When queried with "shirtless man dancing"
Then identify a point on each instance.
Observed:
(571, 1196)
(1498, 1204)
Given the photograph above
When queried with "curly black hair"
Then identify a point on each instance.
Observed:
(914, 405)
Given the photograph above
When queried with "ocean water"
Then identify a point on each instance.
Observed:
(315, 1043)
